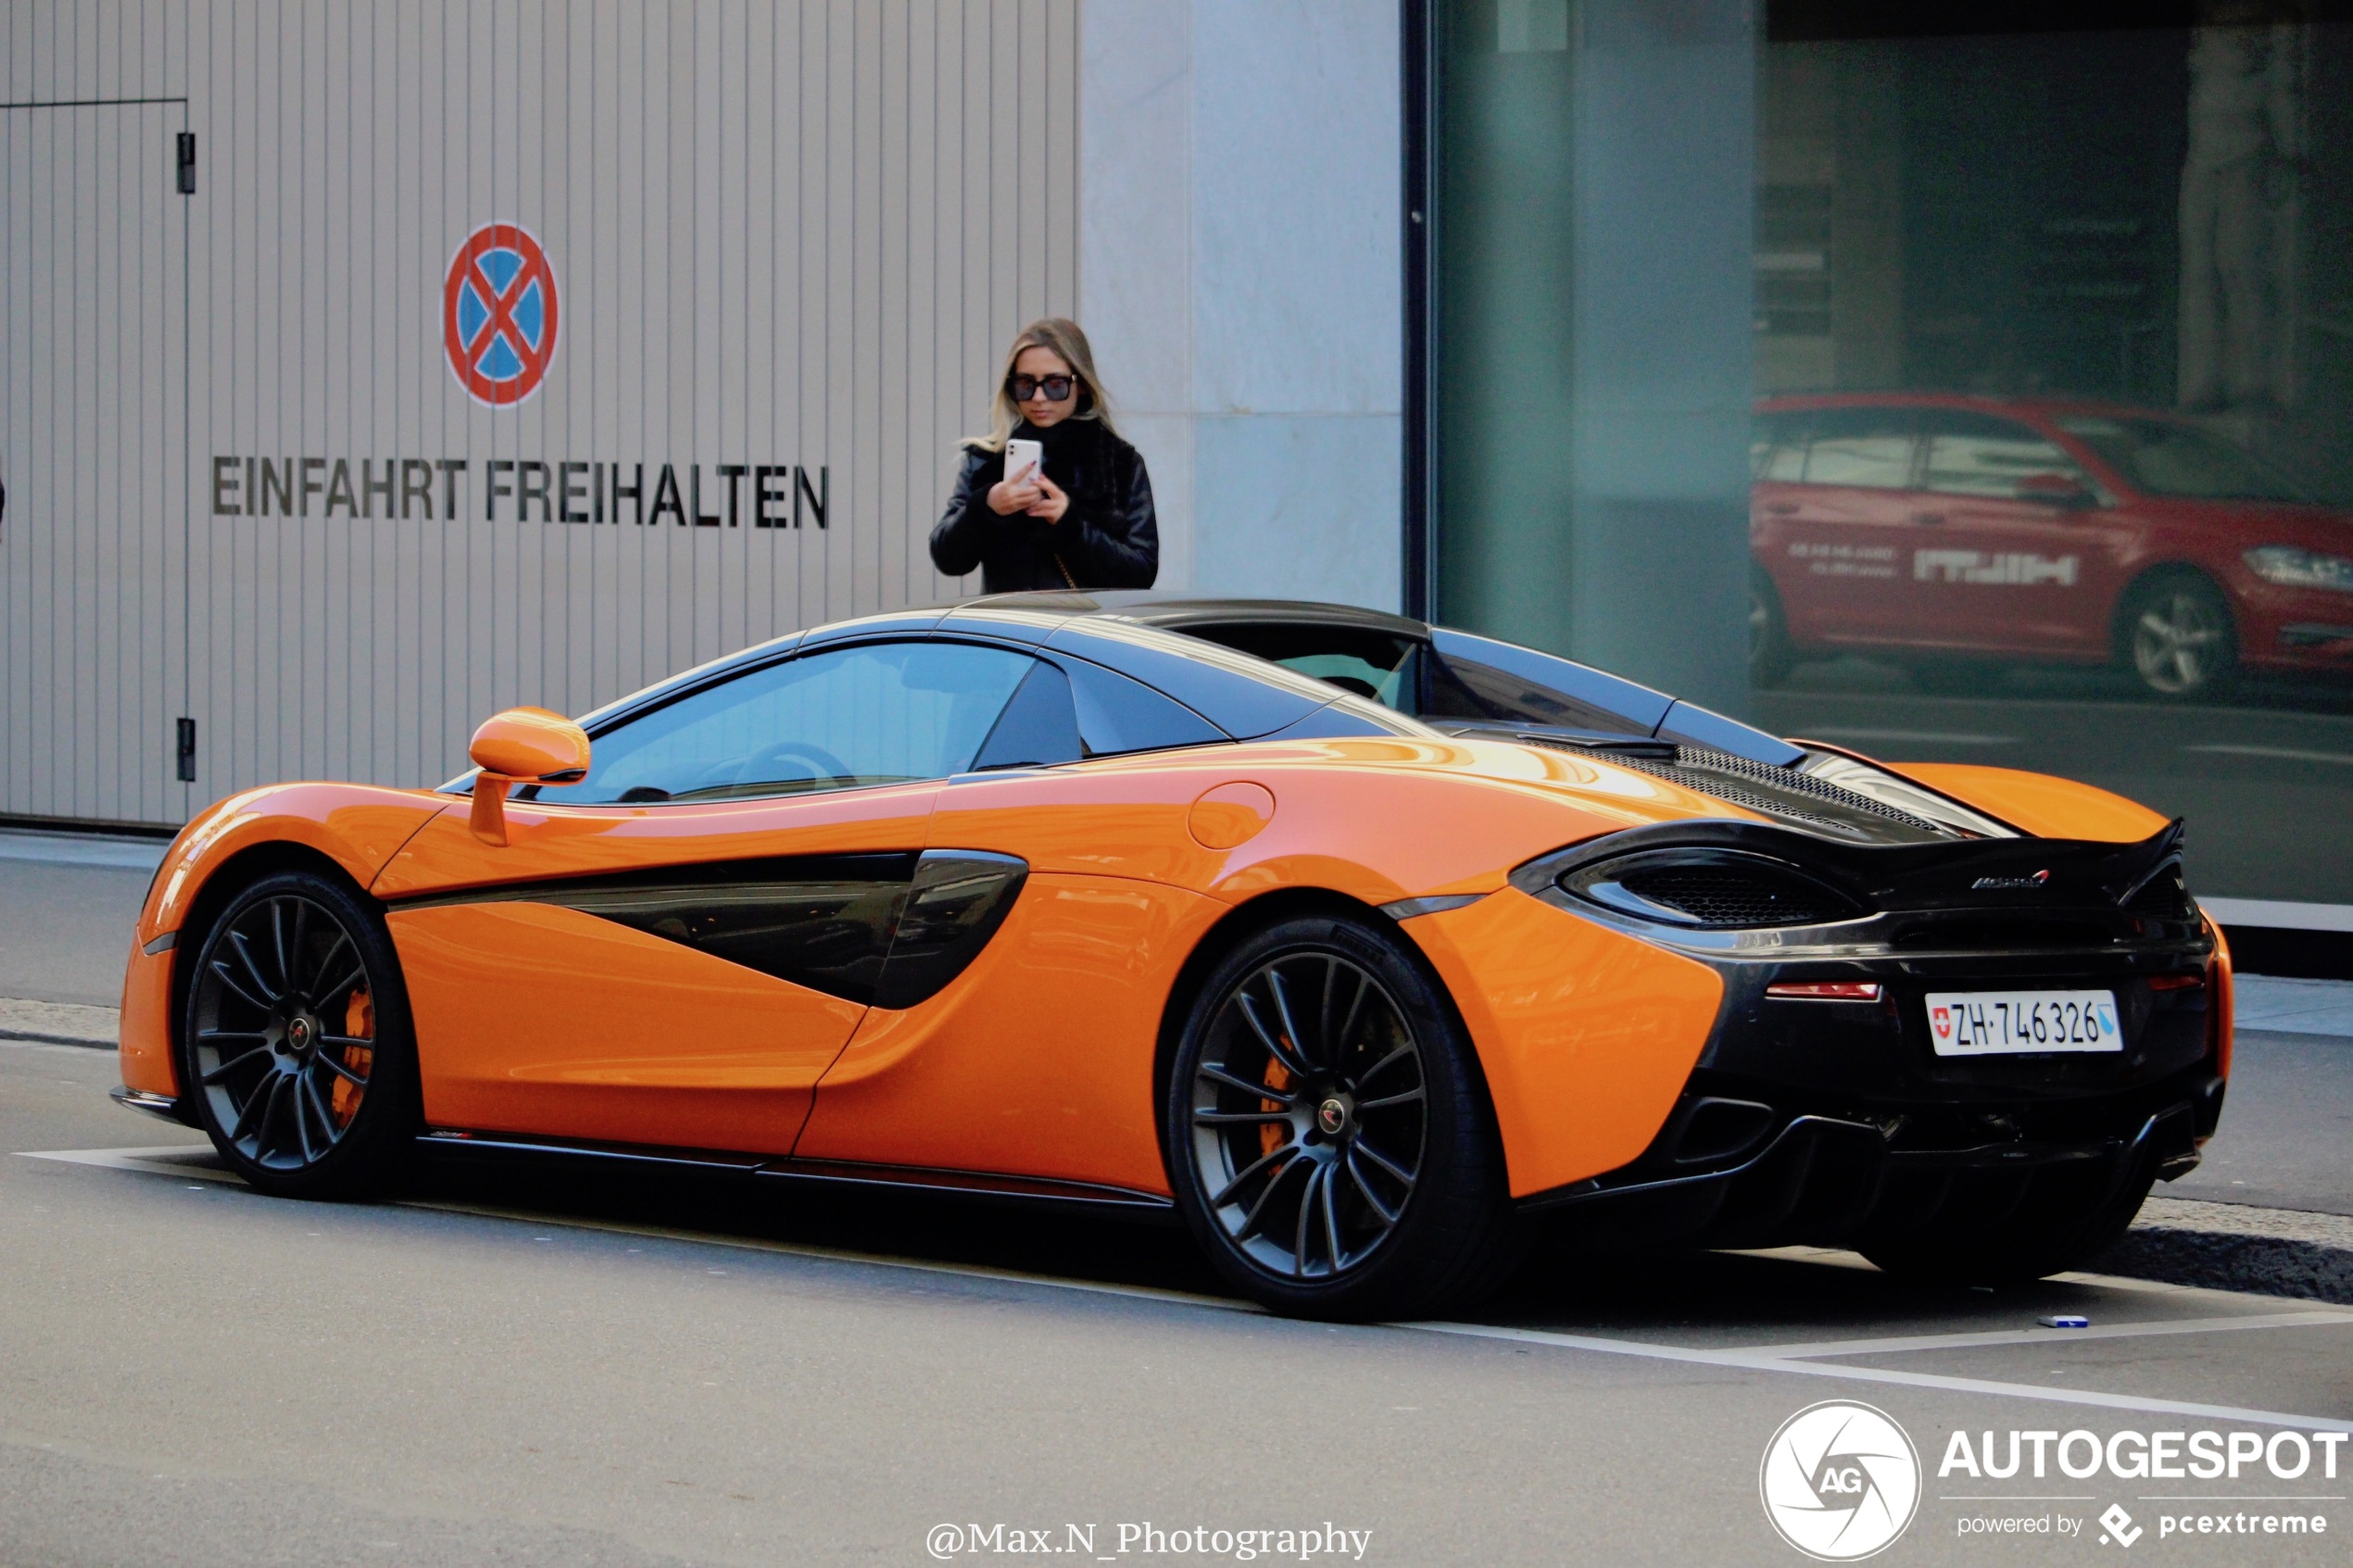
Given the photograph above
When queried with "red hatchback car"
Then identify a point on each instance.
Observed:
(1955, 529)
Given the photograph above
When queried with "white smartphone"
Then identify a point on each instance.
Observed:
(1023, 454)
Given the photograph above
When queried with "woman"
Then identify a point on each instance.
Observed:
(1087, 520)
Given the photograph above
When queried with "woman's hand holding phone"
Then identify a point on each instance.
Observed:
(1007, 496)
(1051, 502)
(1025, 485)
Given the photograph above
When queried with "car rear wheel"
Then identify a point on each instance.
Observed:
(2176, 635)
(1330, 1138)
(296, 1050)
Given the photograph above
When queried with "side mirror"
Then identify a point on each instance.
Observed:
(521, 745)
(2062, 490)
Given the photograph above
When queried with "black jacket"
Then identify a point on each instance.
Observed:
(1108, 538)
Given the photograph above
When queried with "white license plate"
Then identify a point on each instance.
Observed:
(2011, 1022)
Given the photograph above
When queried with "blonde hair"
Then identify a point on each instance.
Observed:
(1062, 337)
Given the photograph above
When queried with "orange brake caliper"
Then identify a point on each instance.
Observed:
(1271, 1133)
(359, 1022)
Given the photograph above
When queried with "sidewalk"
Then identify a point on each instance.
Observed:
(2294, 1007)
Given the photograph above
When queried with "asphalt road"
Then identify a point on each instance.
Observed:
(561, 1367)
(2265, 780)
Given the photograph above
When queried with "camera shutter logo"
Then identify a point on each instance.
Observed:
(498, 314)
(1839, 1481)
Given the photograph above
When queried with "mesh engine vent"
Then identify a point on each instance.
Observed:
(2163, 896)
(1720, 894)
(1719, 773)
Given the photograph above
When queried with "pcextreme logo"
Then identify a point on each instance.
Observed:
(1839, 1481)
(498, 314)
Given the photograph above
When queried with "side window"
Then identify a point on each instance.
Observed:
(1038, 728)
(1870, 447)
(1463, 688)
(871, 714)
(1116, 714)
(1359, 660)
(1972, 454)
(1776, 449)
(1065, 715)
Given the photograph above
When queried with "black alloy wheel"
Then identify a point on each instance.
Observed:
(2176, 634)
(1332, 1142)
(295, 1049)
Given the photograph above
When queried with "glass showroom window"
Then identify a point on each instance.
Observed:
(1963, 395)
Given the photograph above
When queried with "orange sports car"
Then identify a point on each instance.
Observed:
(1359, 945)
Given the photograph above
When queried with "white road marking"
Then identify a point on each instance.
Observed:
(2045, 1336)
(2283, 753)
(199, 1160)
(184, 1159)
(1750, 1361)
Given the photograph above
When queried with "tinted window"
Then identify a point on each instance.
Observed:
(1872, 447)
(1474, 677)
(878, 713)
(1777, 448)
(2166, 458)
(1356, 659)
(1039, 727)
(1116, 714)
(1979, 455)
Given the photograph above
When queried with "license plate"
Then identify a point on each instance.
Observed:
(2012, 1022)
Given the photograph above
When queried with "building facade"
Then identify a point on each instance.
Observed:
(275, 509)
(371, 366)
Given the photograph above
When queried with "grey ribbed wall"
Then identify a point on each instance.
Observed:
(789, 233)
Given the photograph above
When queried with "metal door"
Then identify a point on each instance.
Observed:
(93, 427)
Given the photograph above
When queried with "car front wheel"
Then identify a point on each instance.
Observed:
(1330, 1138)
(2177, 635)
(296, 1047)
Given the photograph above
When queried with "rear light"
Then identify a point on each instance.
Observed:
(2189, 981)
(1825, 991)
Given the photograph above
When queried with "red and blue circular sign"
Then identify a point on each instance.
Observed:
(498, 314)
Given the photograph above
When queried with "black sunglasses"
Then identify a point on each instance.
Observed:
(1056, 388)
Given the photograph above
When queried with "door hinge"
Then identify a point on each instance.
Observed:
(187, 163)
(187, 757)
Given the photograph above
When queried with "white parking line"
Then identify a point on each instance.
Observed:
(2045, 1336)
(182, 1160)
(1751, 1360)
(2283, 753)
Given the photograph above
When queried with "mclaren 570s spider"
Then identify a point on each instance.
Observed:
(1364, 948)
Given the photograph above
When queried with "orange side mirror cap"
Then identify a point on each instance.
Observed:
(526, 746)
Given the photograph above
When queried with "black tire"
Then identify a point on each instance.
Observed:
(1770, 654)
(295, 1049)
(1346, 1167)
(2175, 634)
(2047, 1234)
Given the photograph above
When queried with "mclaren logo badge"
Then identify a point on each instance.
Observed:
(2020, 883)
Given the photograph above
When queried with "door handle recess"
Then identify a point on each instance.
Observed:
(1927, 517)
(1783, 508)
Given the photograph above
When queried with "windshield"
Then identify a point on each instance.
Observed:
(2166, 458)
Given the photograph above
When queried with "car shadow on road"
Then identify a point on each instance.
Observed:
(1728, 1296)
